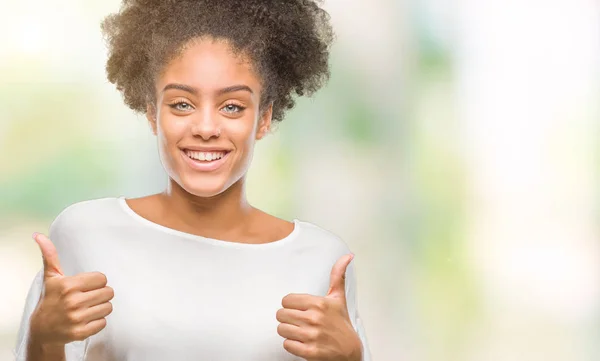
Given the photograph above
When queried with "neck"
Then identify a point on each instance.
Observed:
(222, 214)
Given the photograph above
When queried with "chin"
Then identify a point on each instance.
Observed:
(205, 188)
(204, 191)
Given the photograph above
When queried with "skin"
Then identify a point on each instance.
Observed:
(212, 204)
(205, 97)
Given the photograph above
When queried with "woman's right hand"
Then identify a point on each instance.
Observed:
(70, 308)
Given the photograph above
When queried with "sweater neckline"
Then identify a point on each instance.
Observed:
(213, 241)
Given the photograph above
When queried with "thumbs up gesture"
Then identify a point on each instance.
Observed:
(70, 308)
(319, 328)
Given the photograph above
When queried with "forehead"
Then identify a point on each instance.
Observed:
(209, 64)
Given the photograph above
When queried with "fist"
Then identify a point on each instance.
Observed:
(319, 328)
(70, 308)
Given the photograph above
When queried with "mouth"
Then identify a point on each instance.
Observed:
(205, 161)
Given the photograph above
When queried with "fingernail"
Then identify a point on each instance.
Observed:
(34, 235)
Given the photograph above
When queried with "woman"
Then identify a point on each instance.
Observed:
(196, 272)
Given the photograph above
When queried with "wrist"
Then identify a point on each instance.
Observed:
(38, 351)
(41, 344)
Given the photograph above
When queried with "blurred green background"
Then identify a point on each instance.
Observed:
(454, 149)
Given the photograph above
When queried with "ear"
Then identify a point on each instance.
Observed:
(151, 116)
(264, 124)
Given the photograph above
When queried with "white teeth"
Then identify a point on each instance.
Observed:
(205, 156)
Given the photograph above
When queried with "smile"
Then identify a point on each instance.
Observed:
(204, 156)
(205, 161)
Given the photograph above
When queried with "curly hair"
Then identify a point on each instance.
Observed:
(288, 42)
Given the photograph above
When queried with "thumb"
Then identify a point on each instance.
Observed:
(337, 285)
(49, 255)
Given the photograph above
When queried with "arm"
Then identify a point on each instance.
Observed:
(325, 327)
(27, 347)
(352, 302)
(57, 321)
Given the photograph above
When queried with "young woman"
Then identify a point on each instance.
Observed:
(195, 272)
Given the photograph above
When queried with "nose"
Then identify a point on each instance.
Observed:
(206, 125)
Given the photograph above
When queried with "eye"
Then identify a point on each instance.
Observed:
(181, 106)
(233, 108)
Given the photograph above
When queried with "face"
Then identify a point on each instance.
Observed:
(207, 117)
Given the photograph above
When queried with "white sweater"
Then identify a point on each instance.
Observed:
(180, 296)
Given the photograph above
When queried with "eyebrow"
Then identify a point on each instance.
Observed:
(194, 91)
(183, 87)
(234, 88)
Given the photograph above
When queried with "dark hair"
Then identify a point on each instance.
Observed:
(288, 42)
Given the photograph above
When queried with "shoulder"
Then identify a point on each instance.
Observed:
(323, 238)
(78, 230)
(330, 248)
(83, 214)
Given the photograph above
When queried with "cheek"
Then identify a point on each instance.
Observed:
(243, 131)
(173, 126)
(242, 134)
(170, 131)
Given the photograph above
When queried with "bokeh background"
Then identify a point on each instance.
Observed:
(455, 150)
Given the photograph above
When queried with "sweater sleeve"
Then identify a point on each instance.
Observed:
(35, 290)
(352, 303)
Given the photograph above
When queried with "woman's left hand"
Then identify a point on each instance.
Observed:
(319, 328)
